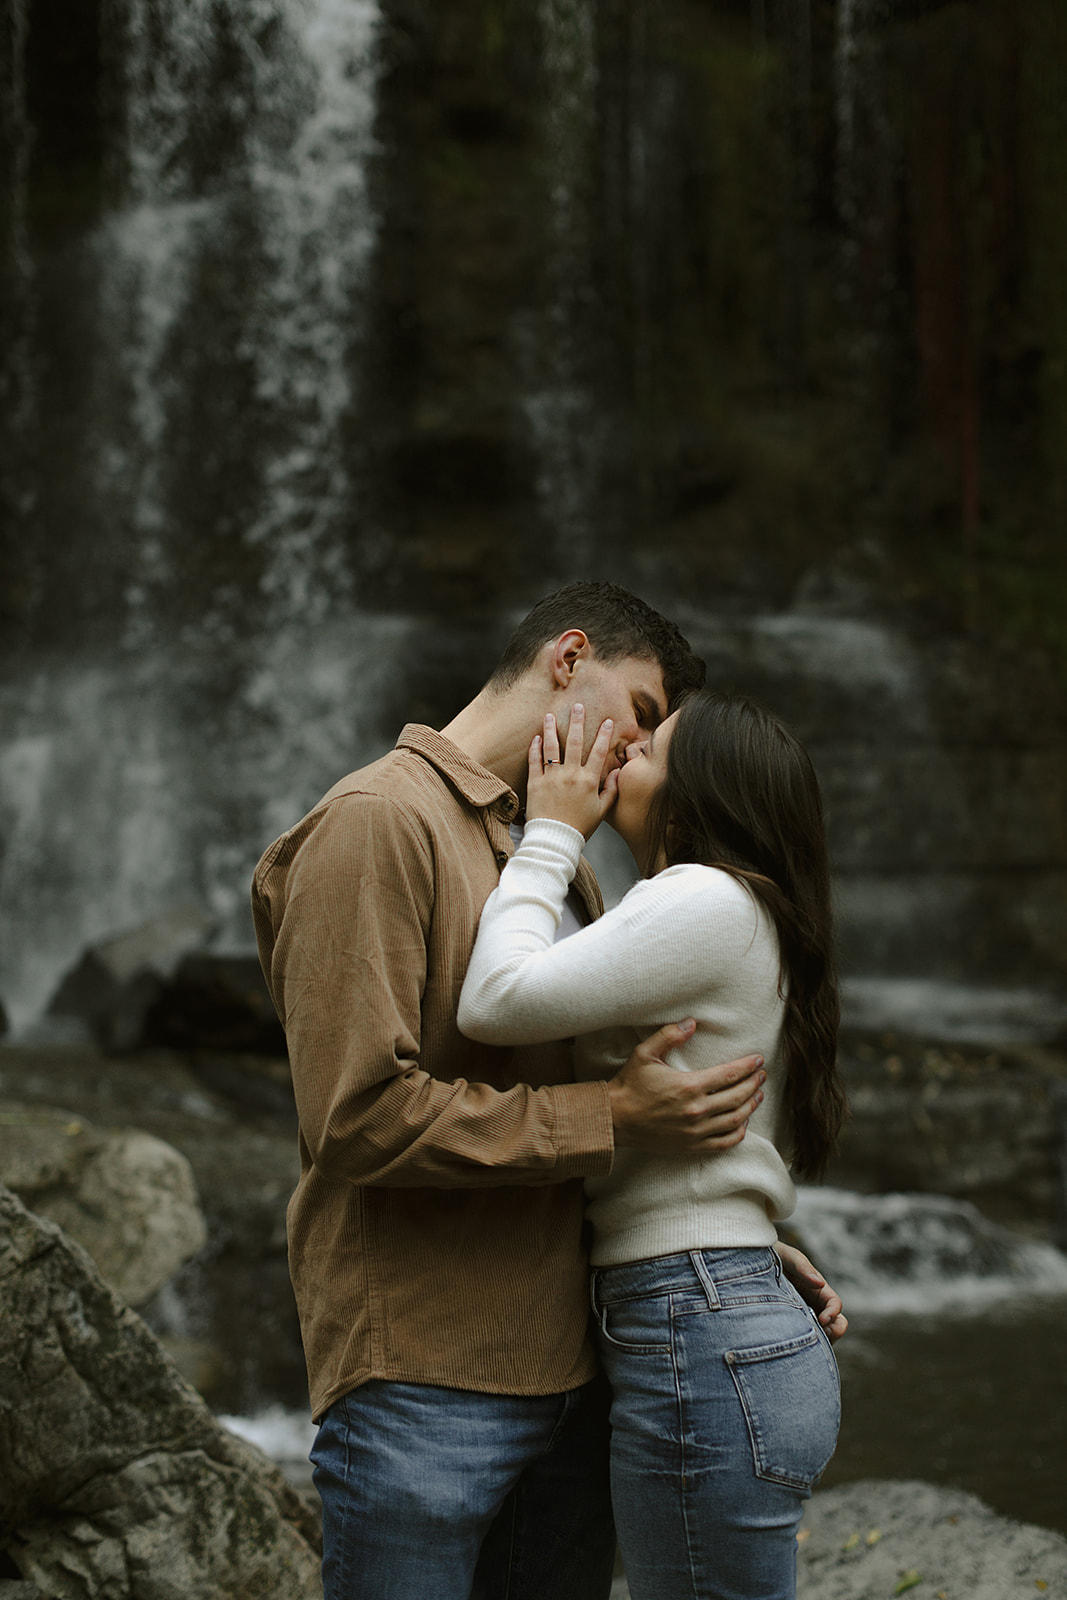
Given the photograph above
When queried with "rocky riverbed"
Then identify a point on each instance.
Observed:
(173, 1169)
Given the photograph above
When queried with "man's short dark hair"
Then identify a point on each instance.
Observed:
(617, 624)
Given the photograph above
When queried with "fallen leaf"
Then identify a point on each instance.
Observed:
(805, 1533)
(851, 1542)
(1039, 1583)
(908, 1580)
(874, 1536)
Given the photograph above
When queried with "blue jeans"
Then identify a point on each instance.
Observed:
(725, 1411)
(449, 1495)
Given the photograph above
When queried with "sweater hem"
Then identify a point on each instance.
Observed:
(744, 1226)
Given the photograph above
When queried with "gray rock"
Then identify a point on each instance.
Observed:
(217, 1002)
(228, 1316)
(986, 1126)
(107, 995)
(873, 1540)
(125, 1195)
(864, 1541)
(115, 1479)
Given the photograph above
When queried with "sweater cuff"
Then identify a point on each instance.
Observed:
(560, 836)
(584, 1135)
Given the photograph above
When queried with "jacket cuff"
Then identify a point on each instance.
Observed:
(584, 1136)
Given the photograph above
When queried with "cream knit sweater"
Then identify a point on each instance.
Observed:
(691, 941)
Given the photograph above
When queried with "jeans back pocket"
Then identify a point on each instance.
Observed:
(791, 1396)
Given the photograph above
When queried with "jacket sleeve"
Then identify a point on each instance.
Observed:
(671, 939)
(343, 928)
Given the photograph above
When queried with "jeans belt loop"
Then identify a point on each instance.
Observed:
(708, 1283)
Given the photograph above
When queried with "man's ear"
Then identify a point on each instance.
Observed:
(569, 649)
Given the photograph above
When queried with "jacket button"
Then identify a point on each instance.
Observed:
(501, 857)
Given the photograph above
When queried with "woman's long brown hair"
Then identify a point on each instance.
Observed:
(741, 794)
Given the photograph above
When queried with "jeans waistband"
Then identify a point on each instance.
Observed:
(692, 1269)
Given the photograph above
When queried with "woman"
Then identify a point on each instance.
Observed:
(725, 1392)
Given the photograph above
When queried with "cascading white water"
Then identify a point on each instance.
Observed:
(923, 1253)
(559, 407)
(17, 378)
(306, 109)
(120, 793)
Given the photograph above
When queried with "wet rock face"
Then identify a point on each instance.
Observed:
(126, 1196)
(985, 1126)
(115, 1478)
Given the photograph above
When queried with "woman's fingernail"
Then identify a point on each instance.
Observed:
(578, 707)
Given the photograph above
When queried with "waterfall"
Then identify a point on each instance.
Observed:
(237, 323)
(923, 1253)
(17, 379)
(295, 209)
(845, 103)
(559, 407)
(151, 769)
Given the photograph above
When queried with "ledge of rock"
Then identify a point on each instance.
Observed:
(876, 1539)
(869, 1540)
(129, 1198)
(115, 1479)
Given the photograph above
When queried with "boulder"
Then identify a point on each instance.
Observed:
(873, 1540)
(228, 1316)
(865, 1541)
(115, 1479)
(110, 991)
(216, 1002)
(126, 1196)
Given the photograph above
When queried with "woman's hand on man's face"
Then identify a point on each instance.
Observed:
(565, 787)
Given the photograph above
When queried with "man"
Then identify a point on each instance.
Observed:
(435, 1234)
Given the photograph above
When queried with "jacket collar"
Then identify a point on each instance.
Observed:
(483, 788)
(476, 783)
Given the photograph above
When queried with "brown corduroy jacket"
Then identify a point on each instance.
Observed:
(435, 1232)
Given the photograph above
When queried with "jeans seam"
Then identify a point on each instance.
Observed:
(682, 1459)
(564, 1414)
(511, 1541)
(346, 1503)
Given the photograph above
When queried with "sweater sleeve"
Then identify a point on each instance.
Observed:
(666, 942)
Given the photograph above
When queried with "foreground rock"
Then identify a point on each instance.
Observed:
(866, 1541)
(874, 1540)
(228, 1316)
(129, 1198)
(115, 1479)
